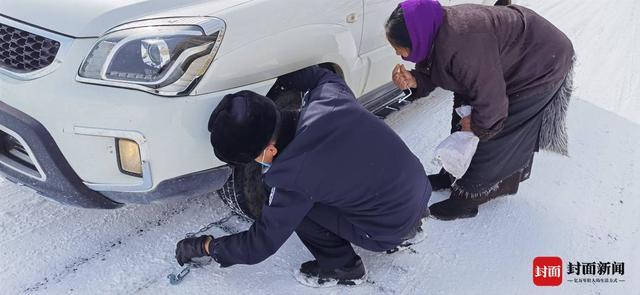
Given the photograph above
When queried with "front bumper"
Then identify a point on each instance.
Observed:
(53, 177)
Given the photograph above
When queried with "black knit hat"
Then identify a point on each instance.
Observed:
(242, 125)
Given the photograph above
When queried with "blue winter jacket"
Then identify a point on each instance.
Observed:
(341, 156)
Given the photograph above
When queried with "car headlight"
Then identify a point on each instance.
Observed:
(162, 56)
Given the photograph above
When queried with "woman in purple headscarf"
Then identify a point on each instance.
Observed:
(511, 65)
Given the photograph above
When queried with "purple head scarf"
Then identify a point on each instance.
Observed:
(423, 18)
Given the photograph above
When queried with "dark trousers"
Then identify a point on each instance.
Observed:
(328, 236)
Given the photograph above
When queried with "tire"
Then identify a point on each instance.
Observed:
(244, 192)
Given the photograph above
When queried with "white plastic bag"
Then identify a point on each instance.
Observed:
(457, 150)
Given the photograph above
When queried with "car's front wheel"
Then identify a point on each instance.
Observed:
(244, 192)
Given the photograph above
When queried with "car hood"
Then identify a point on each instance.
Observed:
(92, 18)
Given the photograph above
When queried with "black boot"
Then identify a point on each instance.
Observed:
(310, 274)
(454, 208)
(418, 236)
(415, 236)
(440, 181)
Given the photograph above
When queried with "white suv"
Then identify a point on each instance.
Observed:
(106, 102)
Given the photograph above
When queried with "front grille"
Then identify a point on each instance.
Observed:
(24, 52)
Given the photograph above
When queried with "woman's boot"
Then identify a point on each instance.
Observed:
(453, 208)
(440, 181)
(458, 206)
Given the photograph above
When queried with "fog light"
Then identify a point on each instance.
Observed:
(129, 160)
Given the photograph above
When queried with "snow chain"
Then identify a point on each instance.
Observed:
(175, 279)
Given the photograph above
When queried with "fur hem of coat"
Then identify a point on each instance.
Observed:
(506, 186)
(553, 134)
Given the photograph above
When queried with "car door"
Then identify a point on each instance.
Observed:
(374, 48)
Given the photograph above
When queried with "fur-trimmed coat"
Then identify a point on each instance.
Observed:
(487, 55)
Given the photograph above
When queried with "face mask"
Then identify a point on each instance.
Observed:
(265, 166)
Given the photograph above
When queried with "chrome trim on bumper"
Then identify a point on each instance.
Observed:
(8, 163)
(146, 183)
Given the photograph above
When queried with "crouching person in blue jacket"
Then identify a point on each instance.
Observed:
(338, 176)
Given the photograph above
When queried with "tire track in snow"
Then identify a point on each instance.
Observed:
(105, 248)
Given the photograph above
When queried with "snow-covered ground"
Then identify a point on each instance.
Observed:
(583, 208)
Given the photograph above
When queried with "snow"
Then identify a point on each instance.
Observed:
(581, 208)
